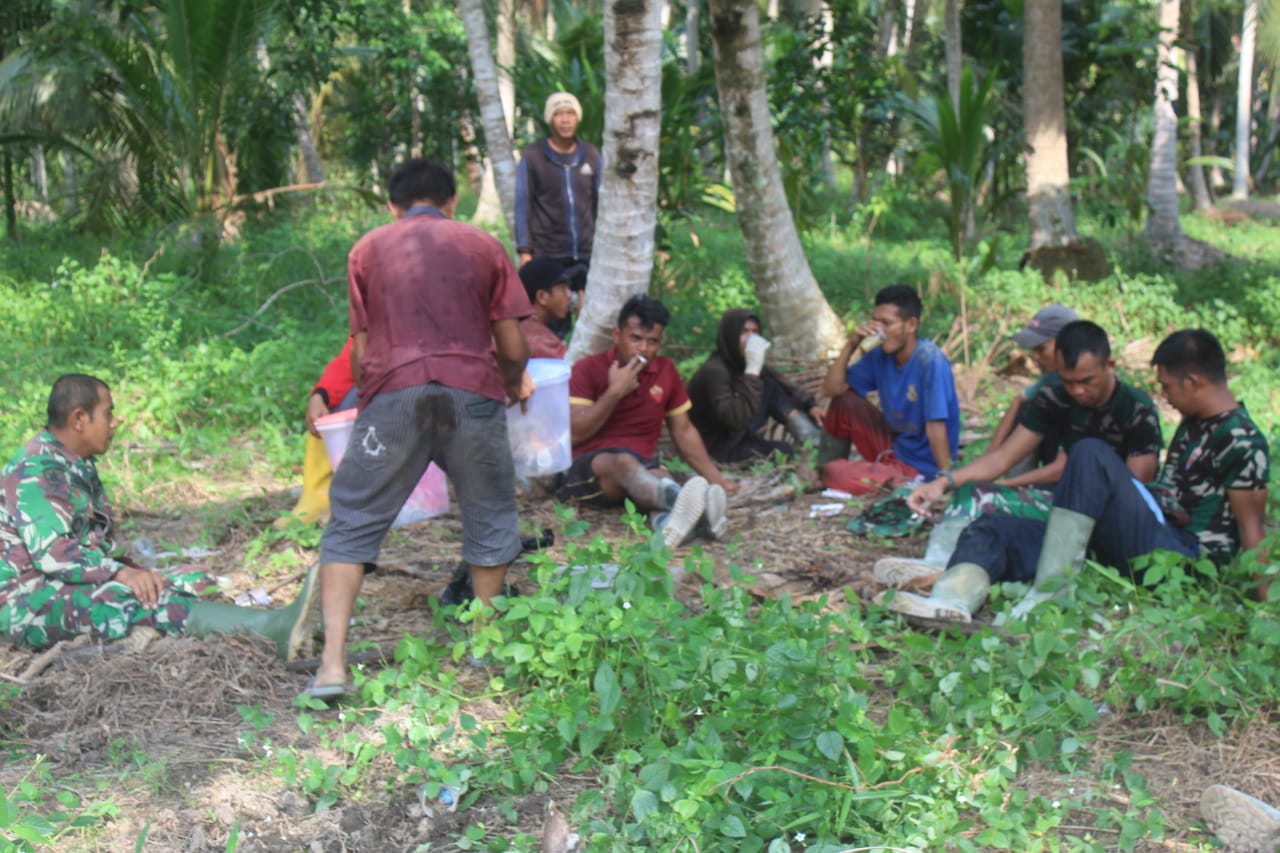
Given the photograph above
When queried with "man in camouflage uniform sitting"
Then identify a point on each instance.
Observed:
(1085, 399)
(60, 574)
(1209, 499)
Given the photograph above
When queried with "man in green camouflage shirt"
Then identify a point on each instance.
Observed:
(1208, 501)
(60, 573)
(1085, 399)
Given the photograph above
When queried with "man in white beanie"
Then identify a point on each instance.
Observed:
(557, 193)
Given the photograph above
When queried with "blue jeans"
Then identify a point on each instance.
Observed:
(1096, 483)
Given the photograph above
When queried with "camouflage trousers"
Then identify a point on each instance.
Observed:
(974, 500)
(39, 615)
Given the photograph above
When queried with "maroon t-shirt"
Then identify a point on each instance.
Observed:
(543, 343)
(427, 290)
(636, 423)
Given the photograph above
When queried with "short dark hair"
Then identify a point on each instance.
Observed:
(72, 391)
(421, 179)
(1189, 351)
(1080, 337)
(650, 312)
(903, 297)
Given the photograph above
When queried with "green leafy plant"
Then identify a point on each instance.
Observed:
(956, 137)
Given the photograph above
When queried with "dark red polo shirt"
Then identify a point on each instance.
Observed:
(636, 423)
(427, 290)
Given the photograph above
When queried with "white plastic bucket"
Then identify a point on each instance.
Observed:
(428, 499)
(540, 442)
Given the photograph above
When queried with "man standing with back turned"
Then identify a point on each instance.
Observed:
(435, 310)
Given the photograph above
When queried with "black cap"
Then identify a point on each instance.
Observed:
(542, 274)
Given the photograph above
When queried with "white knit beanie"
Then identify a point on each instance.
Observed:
(560, 101)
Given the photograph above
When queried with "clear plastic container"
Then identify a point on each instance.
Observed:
(428, 499)
(540, 443)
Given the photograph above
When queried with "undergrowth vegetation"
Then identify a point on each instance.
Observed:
(751, 725)
(738, 724)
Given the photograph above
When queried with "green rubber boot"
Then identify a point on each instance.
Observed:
(942, 540)
(1061, 556)
(286, 627)
(956, 595)
(830, 449)
(900, 571)
(802, 428)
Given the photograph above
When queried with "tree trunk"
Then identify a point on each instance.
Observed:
(1216, 180)
(489, 209)
(622, 253)
(497, 138)
(1044, 125)
(1244, 101)
(506, 22)
(1200, 198)
(954, 52)
(471, 156)
(887, 31)
(311, 164)
(70, 188)
(1273, 129)
(10, 199)
(803, 323)
(40, 173)
(415, 97)
(1164, 229)
(692, 26)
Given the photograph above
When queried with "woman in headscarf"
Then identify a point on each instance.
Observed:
(734, 394)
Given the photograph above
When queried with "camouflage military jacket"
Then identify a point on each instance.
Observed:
(1207, 458)
(55, 521)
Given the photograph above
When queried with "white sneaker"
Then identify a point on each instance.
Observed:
(898, 572)
(688, 510)
(1240, 821)
(714, 516)
(924, 607)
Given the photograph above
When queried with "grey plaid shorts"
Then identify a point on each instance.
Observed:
(394, 439)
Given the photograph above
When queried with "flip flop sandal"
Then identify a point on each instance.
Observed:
(324, 692)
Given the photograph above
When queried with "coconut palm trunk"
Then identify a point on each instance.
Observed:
(1164, 228)
(313, 169)
(622, 253)
(954, 51)
(1244, 101)
(484, 73)
(803, 323)
(1044, 126)
(1200, 198)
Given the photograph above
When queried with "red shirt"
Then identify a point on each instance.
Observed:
(337, 381)
(427, 290)
(543, 343)
(636, 423)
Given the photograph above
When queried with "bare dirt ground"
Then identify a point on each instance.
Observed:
(161, 731)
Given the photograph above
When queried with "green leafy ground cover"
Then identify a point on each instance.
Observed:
(721, 721)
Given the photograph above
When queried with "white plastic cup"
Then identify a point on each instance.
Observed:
(540, 442)
(428, 499)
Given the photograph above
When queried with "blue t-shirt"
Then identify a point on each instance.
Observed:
(921, 390)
